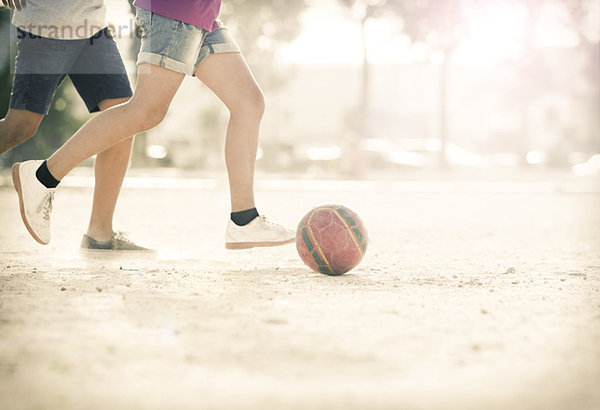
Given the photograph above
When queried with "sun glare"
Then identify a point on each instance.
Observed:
(327, 37)
(495, 32)
(551, 30)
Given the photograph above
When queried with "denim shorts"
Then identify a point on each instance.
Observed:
(94, 66)
(179, 46)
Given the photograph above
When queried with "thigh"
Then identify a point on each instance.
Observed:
(99, 74)
(229, 77)
(155, 88)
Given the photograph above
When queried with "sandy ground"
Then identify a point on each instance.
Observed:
(472, 295)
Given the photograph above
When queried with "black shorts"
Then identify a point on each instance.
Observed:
(94, 66)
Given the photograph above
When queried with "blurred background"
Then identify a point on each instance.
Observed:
(378, 89)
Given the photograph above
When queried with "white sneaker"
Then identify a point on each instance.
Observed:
(35, 200)
(258, 233)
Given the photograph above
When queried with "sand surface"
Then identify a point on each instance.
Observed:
(471, 295)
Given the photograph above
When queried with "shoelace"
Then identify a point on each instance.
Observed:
(122, 237)
(264, 220)
(46, 205)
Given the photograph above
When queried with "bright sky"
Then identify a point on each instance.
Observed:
(495, 33)
(330, 36)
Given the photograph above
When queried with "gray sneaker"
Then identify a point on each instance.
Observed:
(118, 242)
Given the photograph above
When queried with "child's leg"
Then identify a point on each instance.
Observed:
(40, 67)
(17, 127)
(155, 89)
(101, 80)
(110, 168)
(229, 77)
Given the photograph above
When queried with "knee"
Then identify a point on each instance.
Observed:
(149, 115)
(20, 131)
(250, 105)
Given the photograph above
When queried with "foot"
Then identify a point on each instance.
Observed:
(258, 233)
(117, 242)
(35, 200)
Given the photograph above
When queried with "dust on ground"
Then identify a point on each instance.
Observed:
(471, 295)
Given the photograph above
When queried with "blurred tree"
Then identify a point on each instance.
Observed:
(437, 23)
(538, 73)
(581, 13)
(441, 25)
(362, 11)
(529, 72)
(57, 126)
(261, 27)
(583, 20)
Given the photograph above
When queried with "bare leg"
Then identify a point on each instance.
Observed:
(229, 77)
(17, 127)
(111, 165)
(155, 89)
(109, 169)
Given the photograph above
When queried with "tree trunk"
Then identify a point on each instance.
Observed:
(365, 82)
(443, 110)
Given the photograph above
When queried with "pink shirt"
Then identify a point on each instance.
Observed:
(199, 13)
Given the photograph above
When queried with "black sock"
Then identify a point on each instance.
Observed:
(244, 217)
(45, 177)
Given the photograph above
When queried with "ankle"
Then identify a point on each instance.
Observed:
(243, 218)
(45, 177)
(99, 235)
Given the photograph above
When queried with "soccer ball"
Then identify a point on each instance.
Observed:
(331, 239)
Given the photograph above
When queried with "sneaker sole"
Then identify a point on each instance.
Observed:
(249, 245)
(17, 183)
